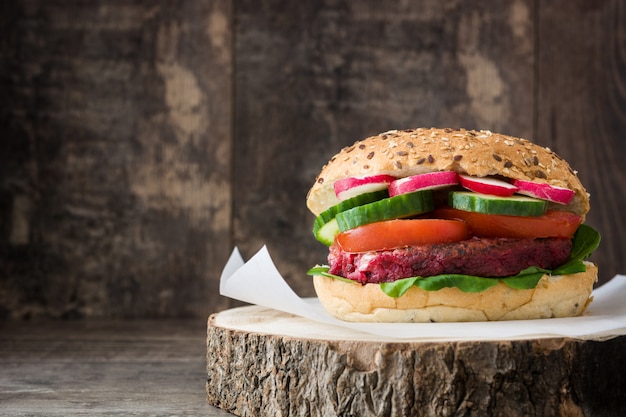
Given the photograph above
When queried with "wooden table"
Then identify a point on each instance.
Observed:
(113, 368)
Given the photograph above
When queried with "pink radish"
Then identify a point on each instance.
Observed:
(428, 181)
(544, 191)
(350, 187)
(487, 185)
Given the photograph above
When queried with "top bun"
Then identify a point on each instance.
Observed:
(477, 153)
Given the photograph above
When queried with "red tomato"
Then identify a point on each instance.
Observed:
(554, 223)
(402, 232)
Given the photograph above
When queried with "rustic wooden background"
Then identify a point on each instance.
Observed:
(142, 140)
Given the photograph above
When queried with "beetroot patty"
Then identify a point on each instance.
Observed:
(497, 257)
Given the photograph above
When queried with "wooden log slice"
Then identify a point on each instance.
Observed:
(261, 362)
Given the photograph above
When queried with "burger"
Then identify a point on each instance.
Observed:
(441, 225)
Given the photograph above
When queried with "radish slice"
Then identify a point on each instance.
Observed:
(428, 181)
(543, 191)
(346, 188)
(486, 185)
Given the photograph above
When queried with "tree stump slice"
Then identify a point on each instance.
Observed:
(262, 362)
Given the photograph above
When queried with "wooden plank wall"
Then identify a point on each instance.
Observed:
(116, 161)
(142, 140)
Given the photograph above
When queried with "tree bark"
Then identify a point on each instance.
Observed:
(317, 370)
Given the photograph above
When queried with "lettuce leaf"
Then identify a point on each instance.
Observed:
(585, 241)
(525, 279)
(323, 271)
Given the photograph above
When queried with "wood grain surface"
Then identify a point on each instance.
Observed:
(142, 140)
(115, 168)
(104, 368)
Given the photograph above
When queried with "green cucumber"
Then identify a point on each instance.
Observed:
(327, 232)
(403, 205)
(325, 226)
(491, 204)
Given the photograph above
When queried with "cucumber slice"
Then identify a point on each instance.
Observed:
(327, 232)
(403, 205)
(325, 226)
(491, 204)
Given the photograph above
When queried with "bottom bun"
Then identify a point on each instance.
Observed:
(554, 296)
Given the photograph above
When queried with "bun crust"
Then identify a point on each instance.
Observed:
(477, 153)
(554, 296)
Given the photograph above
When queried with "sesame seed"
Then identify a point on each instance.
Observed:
(398, 165)
(420, 161)
(497, 157)
(402, 153)
(370, 155)
(508, 164)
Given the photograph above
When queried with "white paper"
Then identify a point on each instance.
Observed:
(259, 282)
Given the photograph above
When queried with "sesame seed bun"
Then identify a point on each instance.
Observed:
(555, 296)
(477, 153)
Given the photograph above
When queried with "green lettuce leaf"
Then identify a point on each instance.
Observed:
(525, 279)
(465, 283)
(585, 241)
(323, 271)
(397, 288)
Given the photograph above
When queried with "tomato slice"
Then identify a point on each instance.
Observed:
(397, 233)
(554, 223)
